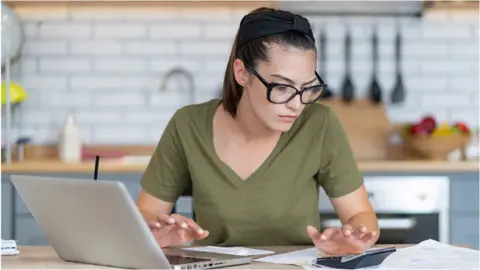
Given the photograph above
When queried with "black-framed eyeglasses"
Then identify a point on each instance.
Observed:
(279, 93)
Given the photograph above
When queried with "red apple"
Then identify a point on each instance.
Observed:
(418, 129)
(462, 127)
(429, 124)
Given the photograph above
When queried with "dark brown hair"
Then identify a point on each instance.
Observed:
(253, 52)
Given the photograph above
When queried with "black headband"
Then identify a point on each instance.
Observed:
(262, 24)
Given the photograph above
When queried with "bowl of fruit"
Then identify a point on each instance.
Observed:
(436, 140)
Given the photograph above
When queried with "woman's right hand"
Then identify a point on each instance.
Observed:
(173, 230)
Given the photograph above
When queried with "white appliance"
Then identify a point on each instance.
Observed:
(409, 209)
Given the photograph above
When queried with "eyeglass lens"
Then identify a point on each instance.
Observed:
(283, 93)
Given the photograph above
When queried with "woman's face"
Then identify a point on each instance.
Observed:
(287, 65)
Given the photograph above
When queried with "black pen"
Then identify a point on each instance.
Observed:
(95, 172)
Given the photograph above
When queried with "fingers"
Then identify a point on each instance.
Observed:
(313, 232)
(360, 232)
(338, 241)
(369, 236)
(328, 233)
(159, 221)
(315, 235)
(163, 230)
(151, 219)
(324, 236)
(154, 224)
(164, 218)
(366, 235)
(347, 230)
(320, 240)
(190, 225)
(159, 233)
(194, 226)
(186, 223)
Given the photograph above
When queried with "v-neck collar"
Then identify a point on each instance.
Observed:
(234, 178)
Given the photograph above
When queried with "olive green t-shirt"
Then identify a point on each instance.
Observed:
(278, 201)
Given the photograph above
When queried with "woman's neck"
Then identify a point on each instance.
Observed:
(249, 126)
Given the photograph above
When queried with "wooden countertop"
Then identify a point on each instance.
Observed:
(37, 257)
(113, 166)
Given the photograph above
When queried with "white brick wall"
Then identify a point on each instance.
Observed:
(105, 64)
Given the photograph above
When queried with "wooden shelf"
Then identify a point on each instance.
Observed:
(117, 166)
(471, 6)
(192, 3)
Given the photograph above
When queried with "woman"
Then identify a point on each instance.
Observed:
(256, 159)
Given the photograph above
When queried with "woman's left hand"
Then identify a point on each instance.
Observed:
(342, 241)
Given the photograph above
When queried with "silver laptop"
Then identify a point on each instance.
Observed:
(97, 222)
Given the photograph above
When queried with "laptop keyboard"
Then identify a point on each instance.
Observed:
(183, 260)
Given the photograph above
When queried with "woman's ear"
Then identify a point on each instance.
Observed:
(240, 72)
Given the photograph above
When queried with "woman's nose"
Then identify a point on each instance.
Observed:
(295, 104)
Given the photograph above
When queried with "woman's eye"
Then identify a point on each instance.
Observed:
(315, 88)
(281, 88)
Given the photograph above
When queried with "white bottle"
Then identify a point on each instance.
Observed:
(70, 143)
(473, 148)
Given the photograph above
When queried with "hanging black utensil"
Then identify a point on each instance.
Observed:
(348, 91)
(327, 93)
(398, 93)
(375, 92)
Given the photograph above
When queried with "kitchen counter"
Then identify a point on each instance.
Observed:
(36, 257)
(115, 166)
(463, 186)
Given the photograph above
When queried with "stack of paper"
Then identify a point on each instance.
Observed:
(9, 247)
(433, 255)
(428, 254)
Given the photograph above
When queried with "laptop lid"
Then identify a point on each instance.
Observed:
(68, 211)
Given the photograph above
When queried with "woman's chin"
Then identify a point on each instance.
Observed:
(281, 126)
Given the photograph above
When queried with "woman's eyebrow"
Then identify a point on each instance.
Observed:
(311, 81)
(291, 81)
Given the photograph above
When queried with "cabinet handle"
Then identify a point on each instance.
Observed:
(383, 223)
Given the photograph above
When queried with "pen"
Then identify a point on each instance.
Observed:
(95, 172)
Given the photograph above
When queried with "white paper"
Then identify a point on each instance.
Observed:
(299, 257)
(431, 254)
(10, 252)
(239, 251)
(428, 254)
(9, 247)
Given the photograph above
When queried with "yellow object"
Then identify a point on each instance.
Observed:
(443, 130)
(17, 93)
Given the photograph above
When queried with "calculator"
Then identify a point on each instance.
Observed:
(369, 258)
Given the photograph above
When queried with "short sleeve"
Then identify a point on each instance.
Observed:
(166, 175)
(339, 174)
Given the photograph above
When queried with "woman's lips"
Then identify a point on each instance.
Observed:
(288, 118)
